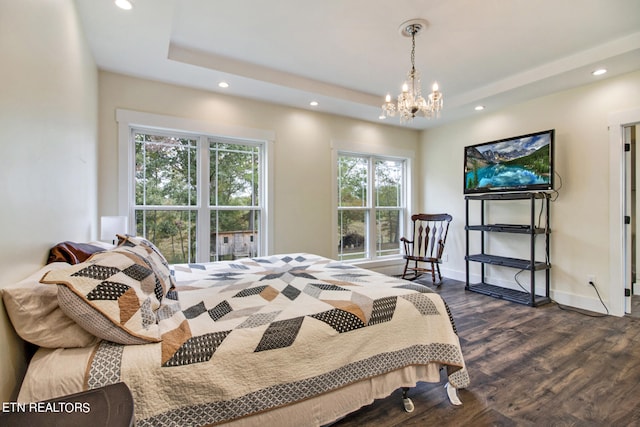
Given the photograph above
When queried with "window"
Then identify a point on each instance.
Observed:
(165, 205)
(198, 198)
(371, 206)
(235, 170)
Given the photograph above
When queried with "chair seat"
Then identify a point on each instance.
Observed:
(421, 259)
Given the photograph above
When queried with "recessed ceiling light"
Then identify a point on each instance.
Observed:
(124, 4)
(223, 85)
(599, 71)
(314, 103)
(479, 107)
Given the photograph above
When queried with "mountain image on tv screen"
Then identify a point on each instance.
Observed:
(519, 163)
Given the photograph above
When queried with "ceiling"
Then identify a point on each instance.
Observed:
(348, 54)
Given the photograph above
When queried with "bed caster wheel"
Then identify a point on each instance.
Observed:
(452, 394)
(408, 404)
(406, 400)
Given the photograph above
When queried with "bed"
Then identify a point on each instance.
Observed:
(291, 339)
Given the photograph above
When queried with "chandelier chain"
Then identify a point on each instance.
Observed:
(413, 48)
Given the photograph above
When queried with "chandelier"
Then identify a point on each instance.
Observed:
(410, 101)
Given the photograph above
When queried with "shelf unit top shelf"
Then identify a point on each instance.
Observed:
(509, 196)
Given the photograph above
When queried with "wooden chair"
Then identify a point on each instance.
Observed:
(426, 245)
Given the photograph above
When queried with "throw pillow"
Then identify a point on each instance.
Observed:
(112, 295)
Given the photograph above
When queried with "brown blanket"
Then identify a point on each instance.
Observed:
(72, 252)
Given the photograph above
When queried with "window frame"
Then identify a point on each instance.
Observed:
(128, 121)
(217, 208)
(340, 148)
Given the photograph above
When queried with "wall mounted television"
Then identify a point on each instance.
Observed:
(519, 163)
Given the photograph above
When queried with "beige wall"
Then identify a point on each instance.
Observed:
(580, 241)
(302, 211)
(48, 126)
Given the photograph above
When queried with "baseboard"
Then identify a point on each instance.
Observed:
(453, 274)
(579, 301)
(589, 303)
(397, 268)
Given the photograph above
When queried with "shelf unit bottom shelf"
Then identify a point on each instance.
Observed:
(508, 294)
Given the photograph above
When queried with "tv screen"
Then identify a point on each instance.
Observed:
(520, 163)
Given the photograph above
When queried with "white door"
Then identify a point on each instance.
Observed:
(631, 135)
(619, 190)
(631, 209)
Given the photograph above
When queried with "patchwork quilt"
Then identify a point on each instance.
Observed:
(246, 336)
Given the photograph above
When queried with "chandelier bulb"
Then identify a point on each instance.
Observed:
(387, 98)
(435, 86)
(405, 87)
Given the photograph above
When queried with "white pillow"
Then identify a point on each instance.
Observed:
(36, 316)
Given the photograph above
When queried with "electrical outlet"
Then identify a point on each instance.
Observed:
(591, 280)
(445, 257)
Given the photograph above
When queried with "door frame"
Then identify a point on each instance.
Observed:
(618, 243)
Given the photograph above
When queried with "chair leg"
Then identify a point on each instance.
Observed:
(406, 265)
(433, 273)
(439, 274)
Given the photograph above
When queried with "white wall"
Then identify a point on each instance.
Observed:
(48, 127)
(580, 241)
(303, 184)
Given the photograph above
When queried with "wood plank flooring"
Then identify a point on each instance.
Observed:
(635, 306)
(529, 367)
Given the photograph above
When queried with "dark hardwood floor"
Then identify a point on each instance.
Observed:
(529, 367)
(635, 306)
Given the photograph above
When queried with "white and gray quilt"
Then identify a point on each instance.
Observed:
(246, 336)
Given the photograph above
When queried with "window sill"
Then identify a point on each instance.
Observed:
(389, 266)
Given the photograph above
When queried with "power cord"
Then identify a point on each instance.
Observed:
(515, 277)
(540, 216)
(565, 308)
(599, 297)
(556, 191)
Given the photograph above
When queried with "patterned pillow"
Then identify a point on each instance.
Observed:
(151, 254)
(112, 295)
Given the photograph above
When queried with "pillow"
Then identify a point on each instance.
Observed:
(152, 254)
(111, 295)
(33, 310)
(72, 252)
(129, 240)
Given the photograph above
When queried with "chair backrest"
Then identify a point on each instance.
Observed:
(429, 234)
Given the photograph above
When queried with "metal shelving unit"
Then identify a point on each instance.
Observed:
(530, 264)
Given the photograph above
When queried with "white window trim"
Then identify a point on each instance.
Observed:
(128, 119)
(363, 149)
